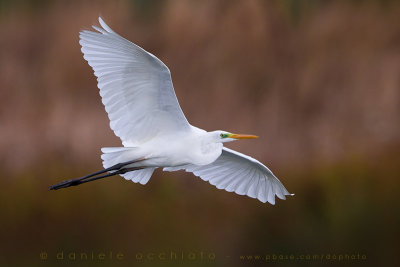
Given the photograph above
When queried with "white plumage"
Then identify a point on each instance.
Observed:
(135, 86)
(236, 172)
(138, 95)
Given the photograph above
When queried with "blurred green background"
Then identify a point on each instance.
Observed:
(319, 81)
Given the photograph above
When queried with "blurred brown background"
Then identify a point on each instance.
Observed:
(317, 80)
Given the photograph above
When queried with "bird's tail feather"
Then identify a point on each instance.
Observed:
(139, 176)
(115, 155)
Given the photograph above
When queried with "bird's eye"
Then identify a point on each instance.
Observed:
(222, 135)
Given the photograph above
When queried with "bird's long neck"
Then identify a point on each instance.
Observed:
(211, 138)
(211, 144)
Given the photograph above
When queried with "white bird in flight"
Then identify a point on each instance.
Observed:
(138, 95)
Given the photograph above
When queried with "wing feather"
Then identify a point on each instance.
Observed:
(135, 86)
(236, 172)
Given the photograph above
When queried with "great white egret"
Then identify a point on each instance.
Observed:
(137, 92)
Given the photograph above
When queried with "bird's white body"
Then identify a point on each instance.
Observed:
(193, 147)
(137, 92)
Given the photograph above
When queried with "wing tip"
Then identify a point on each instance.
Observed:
(104, 29)
(104, 25)
(99, 29)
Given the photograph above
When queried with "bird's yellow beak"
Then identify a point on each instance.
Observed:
(243, 136)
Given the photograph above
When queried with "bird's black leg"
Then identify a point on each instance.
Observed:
(118, 168)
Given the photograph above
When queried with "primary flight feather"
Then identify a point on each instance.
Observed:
(138, 95)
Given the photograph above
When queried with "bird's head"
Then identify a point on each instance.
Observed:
(223, 136)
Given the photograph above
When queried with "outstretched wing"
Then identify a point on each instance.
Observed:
(236, 172)
(135, 86)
